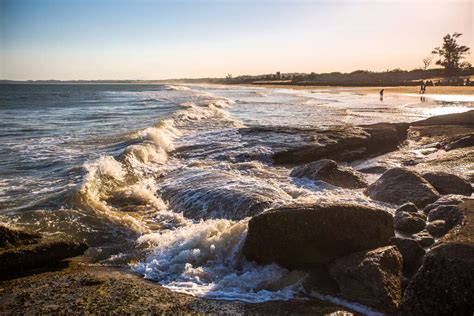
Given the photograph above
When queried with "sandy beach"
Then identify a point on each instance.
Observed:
(441, 90)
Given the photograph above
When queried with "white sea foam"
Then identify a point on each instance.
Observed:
(177, 88)
(203, 259)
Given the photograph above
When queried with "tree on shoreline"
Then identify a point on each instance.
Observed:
(451, 54)
(427, 62)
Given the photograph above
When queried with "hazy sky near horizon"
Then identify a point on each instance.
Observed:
(145, 39)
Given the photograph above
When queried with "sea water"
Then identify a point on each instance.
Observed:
(164, 178)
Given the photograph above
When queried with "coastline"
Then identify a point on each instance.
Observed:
(438, 90)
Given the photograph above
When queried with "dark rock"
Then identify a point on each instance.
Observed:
(303, 235)
(385, 137)
(373, 278)
(444, 283)
(424, 239)
(10, 237)
(326, 145)
(437, 228)
(451, 214)
(467, 141)
(320, 280)
(348, 144)
(445, 200)
(446, 183)
(399, 186)
(409, 222)
(373, 169)
(328, 171)
(407, 207)
(412, 254)
(41, 254)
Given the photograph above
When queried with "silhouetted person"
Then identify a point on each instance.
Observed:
(381, 95)
(422, 88)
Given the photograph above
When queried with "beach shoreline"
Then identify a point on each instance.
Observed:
(438, 90)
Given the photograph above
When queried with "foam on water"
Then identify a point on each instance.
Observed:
(203, 259)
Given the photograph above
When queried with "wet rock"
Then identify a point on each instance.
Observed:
(424, 239)
(399, 186)
(11, 237)
(407, 207)
(451, 214)
(346, 144)
(437, 228)
(373, 169)
(409, 222)
(444, 200)
(328, 171)
(303, 235)
(385, 137)
(412, 254)
(43, 253)
(372, 278)
(444, 283)
(446, 183)
(467, 141)
(326, 144)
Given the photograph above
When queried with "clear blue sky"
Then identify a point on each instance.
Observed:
(145, 39)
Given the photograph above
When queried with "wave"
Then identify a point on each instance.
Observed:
(123, 189)
(204, 259)
(117, 189)
(177, 88)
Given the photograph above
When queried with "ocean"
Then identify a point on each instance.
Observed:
(163, 179)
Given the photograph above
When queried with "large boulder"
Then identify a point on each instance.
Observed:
(446, 183)
(373, 278)
(301, 236)
(400, 185)
(409, 222)
(412, 254)
(328, 171)
(444, 283)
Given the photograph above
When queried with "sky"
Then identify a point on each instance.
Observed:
(145, 39)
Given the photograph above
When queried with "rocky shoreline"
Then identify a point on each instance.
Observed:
(417, 261)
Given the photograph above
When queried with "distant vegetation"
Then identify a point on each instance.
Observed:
(451, 55)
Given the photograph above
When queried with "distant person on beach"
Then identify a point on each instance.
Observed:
(381, 95)
(422, 88)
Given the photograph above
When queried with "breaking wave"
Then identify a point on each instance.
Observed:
(203, 259)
